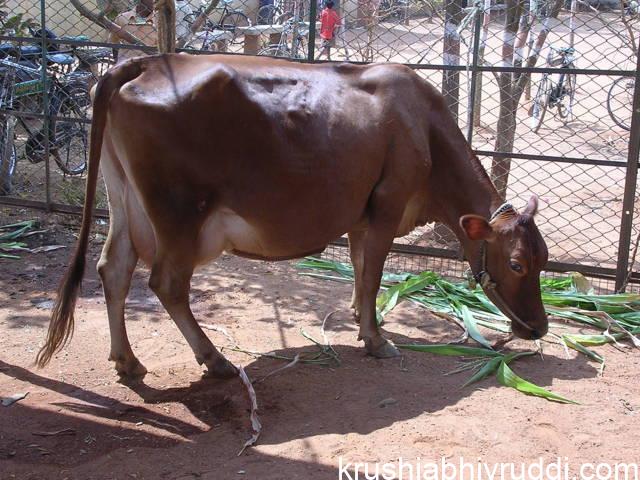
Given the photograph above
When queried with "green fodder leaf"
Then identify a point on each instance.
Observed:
(594, 340)
(472, 327)
(451, 350)
(515, 355)
(16, 230)
(390, 297)
(488, 368)
(508, 378)
(343, 269)
(576, 345)
(556, 284)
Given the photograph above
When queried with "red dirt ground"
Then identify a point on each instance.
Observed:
(176, 426)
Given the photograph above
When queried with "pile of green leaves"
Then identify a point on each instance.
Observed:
(10, 236)
(566, 299)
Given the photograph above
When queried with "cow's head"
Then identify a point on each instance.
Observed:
(512, 254)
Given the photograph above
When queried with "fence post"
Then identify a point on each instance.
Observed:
(46, 121)
(630, 184)
(313, 13)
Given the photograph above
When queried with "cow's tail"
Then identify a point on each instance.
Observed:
(61, 324)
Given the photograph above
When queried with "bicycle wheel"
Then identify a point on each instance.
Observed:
(620, 101)
(230, 23)
(269, 15)
(204, 40)
(540, 103)
(302, 51)
(68, 129)
(565, 105)
(8, 157)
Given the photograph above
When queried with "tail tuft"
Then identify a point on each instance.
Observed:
(61, 325)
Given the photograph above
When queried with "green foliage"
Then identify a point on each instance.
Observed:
(9, 236)
(16, 24)
(569, 298)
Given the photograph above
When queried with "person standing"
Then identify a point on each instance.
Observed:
(329, 23)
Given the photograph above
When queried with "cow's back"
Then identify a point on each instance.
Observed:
(284, 154)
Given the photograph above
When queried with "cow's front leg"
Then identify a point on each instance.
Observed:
(356, 252)
(170, 279)
(378, 240)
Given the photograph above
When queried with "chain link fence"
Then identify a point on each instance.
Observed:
(545, 91)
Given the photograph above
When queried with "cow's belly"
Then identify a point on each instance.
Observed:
(225, 230)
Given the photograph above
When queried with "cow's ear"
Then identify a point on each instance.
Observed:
(476, 227)
(532, 206)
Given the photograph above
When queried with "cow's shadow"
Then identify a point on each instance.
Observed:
(360, 396)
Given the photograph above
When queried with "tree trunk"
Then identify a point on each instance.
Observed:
(453, 15)
(165, 11)
(451, 54)
(512, 86)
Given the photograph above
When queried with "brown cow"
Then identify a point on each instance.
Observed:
(273, 160)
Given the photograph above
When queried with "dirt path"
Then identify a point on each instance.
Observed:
(177, 426)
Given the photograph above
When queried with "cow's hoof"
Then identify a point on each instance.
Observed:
(380, 347)
(220, 368)
(131, 369)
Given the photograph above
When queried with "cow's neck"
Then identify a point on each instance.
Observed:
(469, 191)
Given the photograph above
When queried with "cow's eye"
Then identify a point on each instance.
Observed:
(516, 267)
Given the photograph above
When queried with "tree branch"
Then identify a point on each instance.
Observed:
(105, 23)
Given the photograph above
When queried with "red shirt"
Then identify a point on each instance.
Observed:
(329, 20)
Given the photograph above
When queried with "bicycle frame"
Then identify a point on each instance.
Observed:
(32, 87)
(566, 61)
(21, 89)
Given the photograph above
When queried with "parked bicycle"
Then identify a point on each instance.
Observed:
(294, 48)
(272, 14)
(393, 11)
(620, 101)
(230, 21)
(558, 93)
(22, 85)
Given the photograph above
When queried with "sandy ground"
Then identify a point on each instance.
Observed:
(175, 425)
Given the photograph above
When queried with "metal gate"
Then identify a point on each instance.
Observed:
(546, 92)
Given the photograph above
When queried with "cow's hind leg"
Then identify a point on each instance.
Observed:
(170, 280)
(356, 252)
(116, 266)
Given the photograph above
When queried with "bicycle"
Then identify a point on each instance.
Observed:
(620, 101)
(22, 82)
(297, 49)
(560, 94)
(230, 21)
(272, 14)
(393, 11)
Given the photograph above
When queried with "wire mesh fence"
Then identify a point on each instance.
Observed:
(545, 91)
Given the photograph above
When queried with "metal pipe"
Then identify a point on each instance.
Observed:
(45, 102)
(313, 13)
(630, 185)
